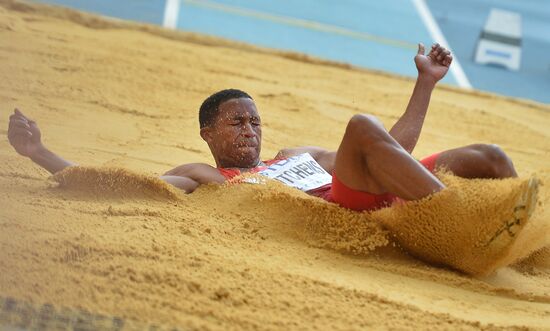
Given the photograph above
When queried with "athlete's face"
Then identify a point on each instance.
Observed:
(235, 137)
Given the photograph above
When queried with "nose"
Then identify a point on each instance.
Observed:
(248, 131)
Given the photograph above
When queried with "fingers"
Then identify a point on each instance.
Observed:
(444, 53)
(441, 55)
(19, 127)
(18, 119)
(448, 60)
(16, 122)
(18, 115)
(19, 130)
(33, 126)
(19, 138)
(420, 49)
(434, 52)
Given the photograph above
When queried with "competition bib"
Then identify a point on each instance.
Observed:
(300, 171)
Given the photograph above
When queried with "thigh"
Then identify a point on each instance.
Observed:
(468, 161)
(351, 165)
(351, 169)
(369, 159)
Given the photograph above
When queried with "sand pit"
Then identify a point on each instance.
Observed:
(114, 183)
(123, 99)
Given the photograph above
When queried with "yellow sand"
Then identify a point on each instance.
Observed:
(124, 96)
(472, 226)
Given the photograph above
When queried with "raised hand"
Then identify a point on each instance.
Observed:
(435, 65)
(24, 135)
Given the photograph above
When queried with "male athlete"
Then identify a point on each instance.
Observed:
(371, 169)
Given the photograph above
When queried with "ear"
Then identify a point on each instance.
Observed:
(206, 134)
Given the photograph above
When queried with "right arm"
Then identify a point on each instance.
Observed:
(184, 183)
(25, 137)
(190, 176)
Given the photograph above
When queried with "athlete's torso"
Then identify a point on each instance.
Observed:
(300, 171)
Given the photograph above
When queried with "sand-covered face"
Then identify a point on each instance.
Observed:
(235, 137)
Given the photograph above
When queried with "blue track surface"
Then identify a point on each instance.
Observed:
(373, 34)
(149, 11)
(374, 51)
(461, 22)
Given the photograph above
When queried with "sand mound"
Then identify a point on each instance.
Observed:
(539, 258)
(114, 182)
(473, 225)
(319, 223)
(462, 227)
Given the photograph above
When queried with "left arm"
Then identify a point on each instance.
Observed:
(431, 68)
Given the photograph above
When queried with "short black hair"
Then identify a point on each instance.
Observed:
(209, 108)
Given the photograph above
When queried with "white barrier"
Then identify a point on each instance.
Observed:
(500, 40)
(171, 12)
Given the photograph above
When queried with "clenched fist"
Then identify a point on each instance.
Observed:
(434, 65)
(24, 135)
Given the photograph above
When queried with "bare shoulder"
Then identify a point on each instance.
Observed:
(200, 172)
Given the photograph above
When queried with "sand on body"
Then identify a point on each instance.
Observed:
(117, 95)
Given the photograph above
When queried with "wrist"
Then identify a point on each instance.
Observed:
(39, 152)
(426, 80)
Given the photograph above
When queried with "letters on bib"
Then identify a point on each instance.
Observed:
(300, 171)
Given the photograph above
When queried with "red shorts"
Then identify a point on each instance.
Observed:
(359, 200)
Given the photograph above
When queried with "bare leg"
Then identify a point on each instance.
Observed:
(370, 160)
(477, 161)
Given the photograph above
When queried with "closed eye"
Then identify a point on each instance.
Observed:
(255, 121)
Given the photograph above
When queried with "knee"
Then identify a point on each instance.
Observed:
(491, 153)
(366, 128)
(496, 161)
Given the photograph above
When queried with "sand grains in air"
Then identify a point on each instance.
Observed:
(472, 225)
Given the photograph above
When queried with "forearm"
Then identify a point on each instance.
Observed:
(50, 161)
(406, 130)
(184, 183)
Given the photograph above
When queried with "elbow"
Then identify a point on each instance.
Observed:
(185, 184)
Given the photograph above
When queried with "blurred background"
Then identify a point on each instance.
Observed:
(501, 46)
